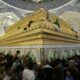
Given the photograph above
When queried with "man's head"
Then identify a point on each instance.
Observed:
(17, 52)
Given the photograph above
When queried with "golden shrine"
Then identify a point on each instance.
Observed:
(41, 29)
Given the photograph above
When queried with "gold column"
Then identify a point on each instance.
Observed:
(42, 55)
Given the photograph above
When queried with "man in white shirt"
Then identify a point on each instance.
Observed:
(8, 74)
(7, 77)
(29, 74)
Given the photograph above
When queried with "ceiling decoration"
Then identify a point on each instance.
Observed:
(36, 4)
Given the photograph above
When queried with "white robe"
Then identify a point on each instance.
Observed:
(28, 75)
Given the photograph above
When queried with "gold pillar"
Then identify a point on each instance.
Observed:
(42, 55)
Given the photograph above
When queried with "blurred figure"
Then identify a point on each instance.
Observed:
(46, 73)
(8, 74)
(73, 70)
(17, 73)
(58, 70)
(69, 76)
(28, 73)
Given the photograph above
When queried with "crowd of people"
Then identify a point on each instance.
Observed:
(14, 67)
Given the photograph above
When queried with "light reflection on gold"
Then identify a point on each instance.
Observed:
(40, 32)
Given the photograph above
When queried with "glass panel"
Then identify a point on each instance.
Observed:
(31, 55)
(52, 54)
(72, 52)
(65, 53)
(78, 51)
